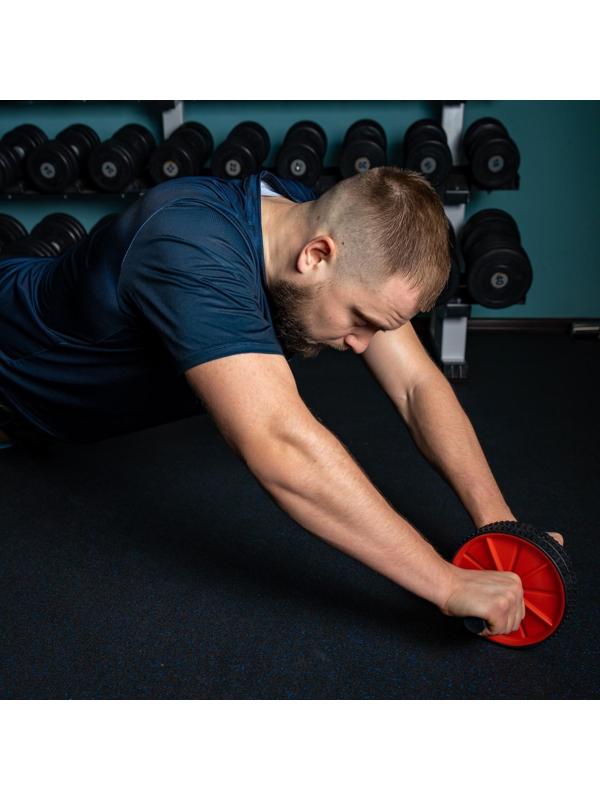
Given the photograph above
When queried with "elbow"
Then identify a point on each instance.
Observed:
(283, 461)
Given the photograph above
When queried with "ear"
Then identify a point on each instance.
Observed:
(320, 252)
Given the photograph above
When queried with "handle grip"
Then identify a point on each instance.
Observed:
(474, 624)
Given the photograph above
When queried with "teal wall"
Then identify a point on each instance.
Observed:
(556, 208)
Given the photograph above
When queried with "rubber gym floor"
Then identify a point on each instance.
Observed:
(154, 565)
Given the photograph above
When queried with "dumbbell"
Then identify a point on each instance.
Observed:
(15, 147)
(243, 151)
(55, 165)
(118, 161)
(301, 154)
(426, 150)
(545, 569)
(52, 236)
(183, 153)
(11, 230)
(493, 156)
(499, 272)
(451, 289)
(364, 147)
(102, 223)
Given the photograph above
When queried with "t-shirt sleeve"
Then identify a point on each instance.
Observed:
(190, 273)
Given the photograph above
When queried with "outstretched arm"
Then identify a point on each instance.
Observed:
(254, 402)
(436, 420)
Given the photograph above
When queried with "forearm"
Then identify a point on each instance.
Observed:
(445, 435)
(318, 483)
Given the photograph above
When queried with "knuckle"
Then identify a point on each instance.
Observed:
(504, 603)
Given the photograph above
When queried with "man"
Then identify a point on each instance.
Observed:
(196, 295)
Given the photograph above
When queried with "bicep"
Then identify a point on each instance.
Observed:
(253, 399)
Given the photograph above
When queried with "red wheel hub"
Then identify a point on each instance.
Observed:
(543, 587)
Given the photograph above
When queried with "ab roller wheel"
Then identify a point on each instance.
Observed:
(544, 568)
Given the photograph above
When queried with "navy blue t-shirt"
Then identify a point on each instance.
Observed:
(94, 343)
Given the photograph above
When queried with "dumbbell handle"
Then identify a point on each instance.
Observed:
(474, 624)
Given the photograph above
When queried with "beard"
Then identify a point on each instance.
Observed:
(289, 306)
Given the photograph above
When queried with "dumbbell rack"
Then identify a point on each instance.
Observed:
(448, 323)
(172, 118)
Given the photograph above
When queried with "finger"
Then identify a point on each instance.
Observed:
(517, 620)
(557, 537)
(519, 614)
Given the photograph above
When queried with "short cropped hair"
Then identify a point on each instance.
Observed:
(388, 221)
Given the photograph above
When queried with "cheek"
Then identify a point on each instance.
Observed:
(333, 326)
(335, 321)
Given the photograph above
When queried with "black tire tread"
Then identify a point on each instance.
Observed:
(550, 547)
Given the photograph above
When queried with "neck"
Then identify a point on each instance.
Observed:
(285, 230)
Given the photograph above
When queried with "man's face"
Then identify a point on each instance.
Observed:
(341, 314)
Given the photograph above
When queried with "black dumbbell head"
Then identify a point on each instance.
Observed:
(9, 166)
(424, 130)
(493, 240)
(489, 221)
(366, 129)
(254, 136)
(11, 230)
(80, 138)
(498, 269)
(301, 155)
(197, 135)
(114, 164)
(53, 167)
(137, 138)
(15, 148)
(61, 231)
(310, 133)
(499, 277)
(111, 166)
(489, 215)
(493, 156)
(24, 138)
(242, 152)
(364, 147)
(426, 151)
(182, 154)
(29, 247)
(484, 125)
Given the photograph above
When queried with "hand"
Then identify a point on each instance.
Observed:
(554, 534)
(496, 597)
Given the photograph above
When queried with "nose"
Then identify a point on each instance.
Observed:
(359, 342)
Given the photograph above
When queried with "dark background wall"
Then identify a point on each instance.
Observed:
(556, 207)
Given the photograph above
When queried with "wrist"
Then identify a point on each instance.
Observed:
(446, 584)
(449, 587)
(493, 515)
